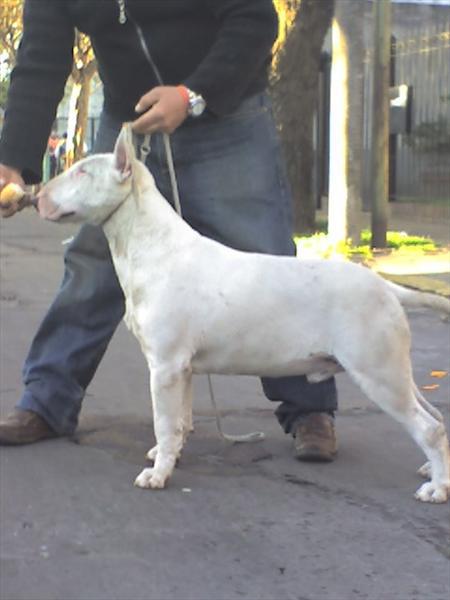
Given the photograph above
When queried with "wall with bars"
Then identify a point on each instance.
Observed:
(420, 158)
(421, 60)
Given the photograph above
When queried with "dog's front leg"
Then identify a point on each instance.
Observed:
(168, 389)
(188, 425)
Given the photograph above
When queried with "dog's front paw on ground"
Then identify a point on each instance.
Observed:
(151, 454)
(432, 492)
(150, 479)
(425, 470)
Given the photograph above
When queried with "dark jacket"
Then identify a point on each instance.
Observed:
(219, 48)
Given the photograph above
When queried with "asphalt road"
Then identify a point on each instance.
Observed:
(237, 521)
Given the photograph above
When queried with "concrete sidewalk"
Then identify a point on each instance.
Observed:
(237, 521)
(428, 272)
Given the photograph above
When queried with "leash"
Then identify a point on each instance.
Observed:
(144, 150)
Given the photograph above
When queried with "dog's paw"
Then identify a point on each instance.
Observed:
(425, 470)
(431, 492)
(149, 479)
(151, 454)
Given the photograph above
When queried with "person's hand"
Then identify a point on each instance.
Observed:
(9, 175)
(163, 108)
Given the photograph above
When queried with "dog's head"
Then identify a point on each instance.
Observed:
(91, 190)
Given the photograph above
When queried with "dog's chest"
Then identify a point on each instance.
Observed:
(136, 318)
(140, 288)
(131, 289)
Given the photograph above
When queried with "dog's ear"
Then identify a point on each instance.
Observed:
(124, 153)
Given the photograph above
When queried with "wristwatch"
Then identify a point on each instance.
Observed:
(196, 104)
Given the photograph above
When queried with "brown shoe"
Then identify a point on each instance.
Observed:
(315, 438)
(24, 427)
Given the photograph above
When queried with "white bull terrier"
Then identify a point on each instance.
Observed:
(197, 306)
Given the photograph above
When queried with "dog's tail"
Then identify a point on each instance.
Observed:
(413, 298)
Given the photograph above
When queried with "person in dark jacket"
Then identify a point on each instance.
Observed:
(205, 83)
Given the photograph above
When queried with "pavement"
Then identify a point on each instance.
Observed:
(236, 521)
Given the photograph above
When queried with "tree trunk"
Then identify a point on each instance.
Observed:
(346, 123)
(78, 115)
(380, 123)
(295, 96)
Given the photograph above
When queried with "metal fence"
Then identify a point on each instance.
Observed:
(419, 149)
(421, 156)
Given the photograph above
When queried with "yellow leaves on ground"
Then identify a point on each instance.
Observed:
(437, 375)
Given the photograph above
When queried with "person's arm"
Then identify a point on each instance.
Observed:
(44, 62)
(247, 32)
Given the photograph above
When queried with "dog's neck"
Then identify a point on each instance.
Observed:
(144, 220)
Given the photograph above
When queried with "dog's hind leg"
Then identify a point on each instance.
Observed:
(427, 405)
(425, 470)
(168, 389)
(393, 390)
(430, 434)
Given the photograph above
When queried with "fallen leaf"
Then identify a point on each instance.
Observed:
(439, 374)
(433, 386)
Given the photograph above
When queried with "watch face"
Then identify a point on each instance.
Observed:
(197, 107)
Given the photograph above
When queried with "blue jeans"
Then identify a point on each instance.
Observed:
(233, 189)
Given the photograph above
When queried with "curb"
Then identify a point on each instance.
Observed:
(425, 272)
(421, 283)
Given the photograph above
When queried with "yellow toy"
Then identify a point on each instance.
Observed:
(14, 198)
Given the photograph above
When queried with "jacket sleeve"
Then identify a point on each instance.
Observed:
(44, 62)
(247, 31)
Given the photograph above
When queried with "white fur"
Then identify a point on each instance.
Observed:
(197, 306)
